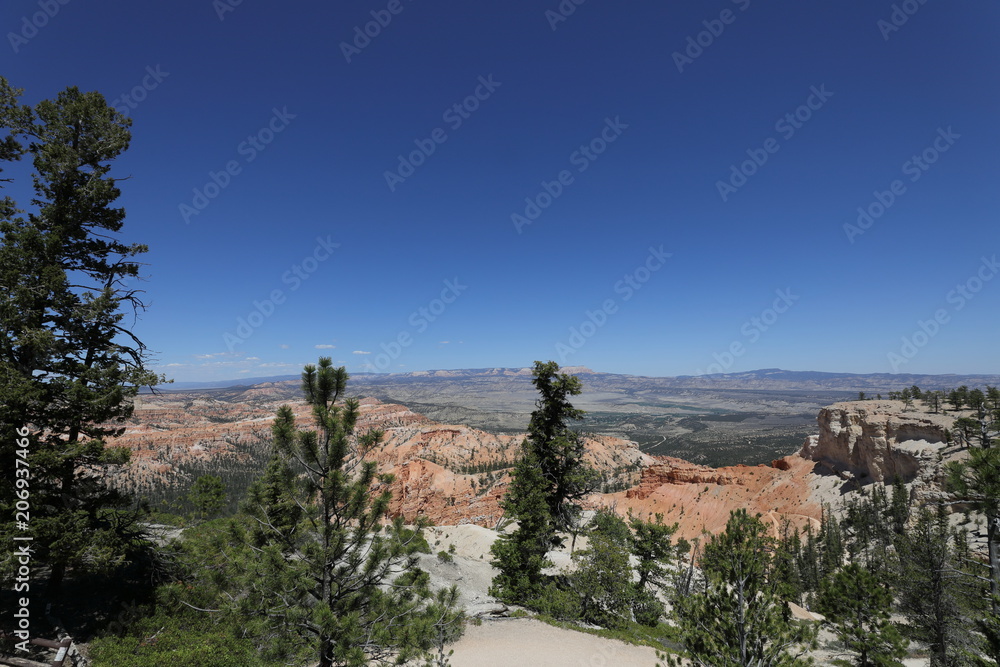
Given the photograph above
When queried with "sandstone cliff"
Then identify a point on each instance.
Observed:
(876, 441)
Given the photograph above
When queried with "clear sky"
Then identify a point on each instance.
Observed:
(647, 187)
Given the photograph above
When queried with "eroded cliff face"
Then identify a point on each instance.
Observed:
(877, 441)
(451, 474)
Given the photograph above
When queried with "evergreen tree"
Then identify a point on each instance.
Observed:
(603, 578)
(520, 555)
(869, 532)
(786, 563)
(69, 366)
(857, 606)
(832, 544)
(977, 480)
(314, 565)
(993, 396)
(549, 477)
(558, 449)
(934, 594)
(958, 397)
(934, 398)
(208, 495)
(809, 562)
(651, 545)
(899, 506)
(740, 619)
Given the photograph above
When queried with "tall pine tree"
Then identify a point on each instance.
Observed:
(69, 364)
(550, 476)
(315, 565)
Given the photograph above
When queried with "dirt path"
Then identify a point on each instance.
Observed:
(517, 642)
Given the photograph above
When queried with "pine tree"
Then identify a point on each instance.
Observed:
(857, 606)
(69, 367)
(208, 495)
(786, 563)
(977, 480)
(312, 558)
(741, 619)
(603, 578)
(832, 544)
(550, 476)
(934, 594)
(520, 555)
(558, 449)
(650, 543)
(899, 507)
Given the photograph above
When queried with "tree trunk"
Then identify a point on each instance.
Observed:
(325, 651)
(993, 542)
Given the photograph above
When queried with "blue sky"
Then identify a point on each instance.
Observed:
(685, 222)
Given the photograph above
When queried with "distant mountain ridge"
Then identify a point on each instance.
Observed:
(766, 379)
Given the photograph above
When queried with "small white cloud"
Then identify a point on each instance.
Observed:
(174, 365)
(253, 358)
(360, 352)
(444, 342)
(325, 347)
(245, 370)
(283, 346)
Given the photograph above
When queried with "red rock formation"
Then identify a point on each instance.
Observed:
(699, 498)
(450, 474)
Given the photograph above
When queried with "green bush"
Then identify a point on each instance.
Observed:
(161, 641)
(557, 602)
